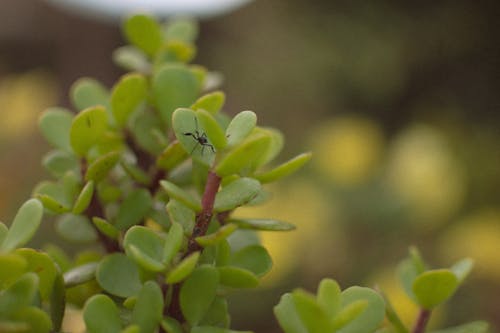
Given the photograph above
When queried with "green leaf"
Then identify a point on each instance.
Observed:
(13, 266)
(56, 197)
(328, 297)
(254, 258)
(170, 325)
(148, 310)
(57, 301)
(87, 128)
(145, 247)
(83, 200)
(128, 94)
(136, 173)
(105, 227)
(183, 269)
(144, 32)
(392, 316)
(134, 208)
(310, 312)
(211, 102)
(55, 124)
(171, 157)
(174, 51)
(80, 274)
(287, 315)
(273, 148)
(118, 275)
(24, 226)
(173, 242)
(371, 317)
(263, 225)
(20, 294)
(472, 327)
(182, 29)
(52, 204)
(216, 237)
(214, 329)
(41, 264)
(3, 232)
(417, 260)
(462, 268)
(240, 127)
(349, 313)
(76, 228)
(237, 193)
(39, 321)
(180, 195)
(407, 273)
(213, 130)
(131, 329)
(181, 214)
(174, 86)
(244, 158)
(87, 92)
(101, 315)
(58, 162)
(218, 314)
(198, 292)
(236, 277)
(130, 58)
(284, 169)
(145, 127)
(184, 122)
(432, 288)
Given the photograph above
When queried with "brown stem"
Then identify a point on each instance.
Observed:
(423, 318)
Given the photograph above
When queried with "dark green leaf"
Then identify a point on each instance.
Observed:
(24, 226)
(76, 228)
(20, 294)
(41, 264)
(134, 208)
(101, 315)
(118, 275)
(145, 247)
(146, 127)
(39, 321)
(55, 124)
(236, 277)
(57, 301)
(218, 314)
(172, 156)
(148, 310)
(253, 258)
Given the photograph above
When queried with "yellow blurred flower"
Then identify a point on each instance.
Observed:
(22, 98)
(73, 321)
(423, 170)
(476, 236)
(347, 150)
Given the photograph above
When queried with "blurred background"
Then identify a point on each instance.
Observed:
(399, 102)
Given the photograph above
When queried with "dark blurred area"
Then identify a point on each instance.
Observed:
(398, 100)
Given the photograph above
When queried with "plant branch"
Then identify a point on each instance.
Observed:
(423, 318)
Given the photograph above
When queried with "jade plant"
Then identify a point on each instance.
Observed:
(146, 177)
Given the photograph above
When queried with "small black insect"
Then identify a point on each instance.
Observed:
(200, 138)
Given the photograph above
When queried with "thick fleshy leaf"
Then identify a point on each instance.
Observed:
(407, 273)
(173, 242)
(182, 29)
(118, 275)
(240, 127)
(55, 124)
(39, 321)
(174, 51)
(181, 214)
(130, 58)
(349, 313)
(218, 236)
(237, 277)
(183, 269)
(83, 200)
(371, 317)
(20, 294)
(171, 325)
(56, 197)
(212, 128)
(58, 162)
(13, 266)
(105, 227)
(148, 310)
(198, 292)
(172, 156)
(24, 226)
(328, 297)
(180, 195)
(128, 94)
(131, 329)
(473, 327)
(254, 258)
(284, 169)
(41, 264)
(87, 92)
(214, 329)
(100, 167)
(287, 315)
(144, 32)
(174, 86)
(310, 312)
(244, 158)
(147, 130)
(87, 128)
(218, 314)
(433, 287)
(462, 268)
(211, 102)
(76, 228)
(263, 225)
(80, 274)
(273, 148)
(237, 193)
(101, 315)
(145, 246)
(133, 209)
(136, 173)
(192, 136)
(3, 232)
(57, 301)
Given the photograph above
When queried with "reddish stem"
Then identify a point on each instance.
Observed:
(423, 318)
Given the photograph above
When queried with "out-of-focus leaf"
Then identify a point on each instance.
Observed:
(38, 319)
(180, 195)
(310, 312)
(55, 124)
(182, 215)
(144, 32)
(349, 313)
(13, 266)
(237, 277)
(87, 128)
(432, 288)
(128, 94)
(146, 127)
(240, 127)
(182, 29)
(473, 327)
(262, 224)
(371, 317)
(329, 296)
(173, 242)
(80, 274)
(101, 315)
(172, 156)
(105, 227)
(118, 275)
(20, 294)
(100, 167)
(254, 258)
(87, 92)
(211, 102)
(83, 200)
(130, 58)
(407, 273)
(287, 315)
(215, 329)
(134, 208)
(171, 325)
(462, 268)
(148, 310)
(58, 162)
(57, 301)
(76, 228)
(24, 226)
(41, 264)
(145, 247)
